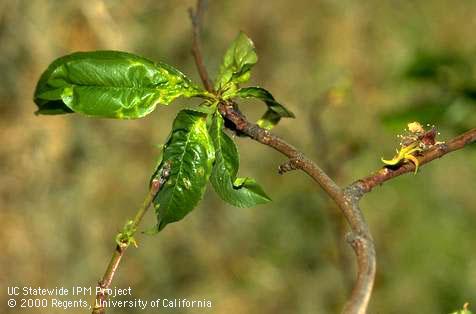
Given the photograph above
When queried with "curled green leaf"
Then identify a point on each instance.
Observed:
(275, 111)
(190, 152)
(237, 63)
(109, 84)
(239, 192)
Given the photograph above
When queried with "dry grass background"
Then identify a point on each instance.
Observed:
(68, 183)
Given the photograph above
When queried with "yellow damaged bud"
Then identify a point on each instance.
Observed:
(414, 141)
(405, 154)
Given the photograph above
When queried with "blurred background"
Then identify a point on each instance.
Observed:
(353, 72)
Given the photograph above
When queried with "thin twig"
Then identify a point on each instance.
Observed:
(439, 150)
(362, 243)
(196, 18)
(347, 199)
(356, 190)
(121, 247)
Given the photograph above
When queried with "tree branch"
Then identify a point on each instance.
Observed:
(196, 18)
(439, 150)
(124, 240)
(361, 239)
(347, 199)
(355, 191)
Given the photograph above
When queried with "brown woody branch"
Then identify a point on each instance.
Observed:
(347, 199)
(356, 190)
(361, 239)
(196, 18)
(439, 150)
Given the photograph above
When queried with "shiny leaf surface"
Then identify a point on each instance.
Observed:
(240, 192)
(109, 84)
(237, 63)
(275, 111)
(190, 151)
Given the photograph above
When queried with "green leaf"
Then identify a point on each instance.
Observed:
(275, 111)
(191, 153)
(109, 84)
(237, 63)
(240, 192)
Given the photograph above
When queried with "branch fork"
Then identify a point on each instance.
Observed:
(346, 199)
